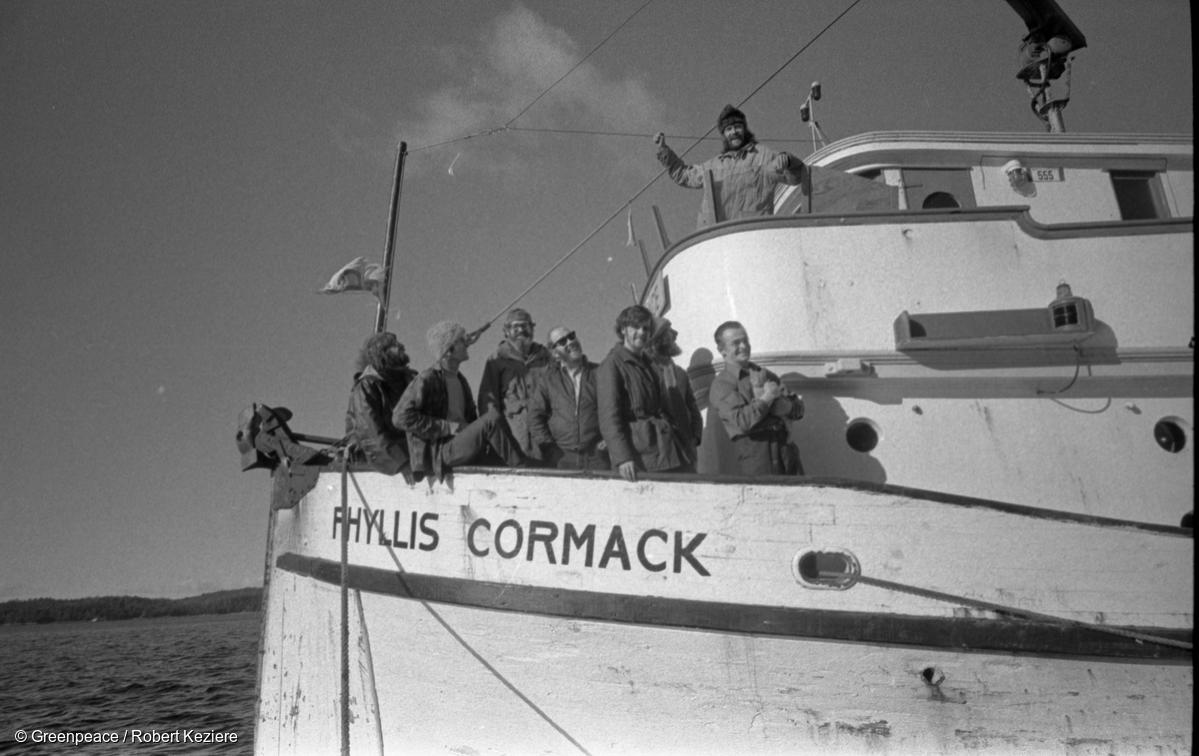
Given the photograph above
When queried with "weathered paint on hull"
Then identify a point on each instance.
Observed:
(564, 677)
(515, 684)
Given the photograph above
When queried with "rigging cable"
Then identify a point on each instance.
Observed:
(659, 174)
(400, 572)
(602, 42)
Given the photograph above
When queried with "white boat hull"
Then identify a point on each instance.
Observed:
(463, 642)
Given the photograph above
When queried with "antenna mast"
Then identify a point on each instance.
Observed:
(807, 114)
(1044, 52)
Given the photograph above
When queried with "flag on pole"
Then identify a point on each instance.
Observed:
(357, 275)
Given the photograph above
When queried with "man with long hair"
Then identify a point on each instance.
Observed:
(632, 414)
(380, 377)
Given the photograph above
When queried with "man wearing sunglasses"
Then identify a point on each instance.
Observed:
(506, 382)
(563, 415)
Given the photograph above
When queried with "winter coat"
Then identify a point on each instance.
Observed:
(681, 406)
(422, 412)
(556, 418)
(632, 415)
(368, 420)
(743, 180)
(732, 396)
(507, 384)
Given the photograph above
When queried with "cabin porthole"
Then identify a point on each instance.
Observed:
(1170, 434)
(862, 435)
(938, 200)
(828, 569)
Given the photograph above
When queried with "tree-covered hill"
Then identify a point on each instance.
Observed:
(43, 610)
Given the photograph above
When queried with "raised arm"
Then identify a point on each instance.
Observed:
(689, 176)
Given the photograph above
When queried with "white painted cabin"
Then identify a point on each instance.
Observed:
(1096, 418)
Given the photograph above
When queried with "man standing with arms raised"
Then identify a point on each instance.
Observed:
(744, 175)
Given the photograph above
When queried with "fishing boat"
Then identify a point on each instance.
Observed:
(991, 549)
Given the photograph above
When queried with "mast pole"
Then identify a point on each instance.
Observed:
(389, 254)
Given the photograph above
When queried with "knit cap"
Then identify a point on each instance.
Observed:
(517, 315)
(441, 336)
(729, 116)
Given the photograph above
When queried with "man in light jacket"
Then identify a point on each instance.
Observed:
(563, 412)
(755, 408)
(744, 174)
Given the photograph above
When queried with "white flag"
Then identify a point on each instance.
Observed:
(357, 275)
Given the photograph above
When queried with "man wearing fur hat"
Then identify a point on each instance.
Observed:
(744, 174)
(506, 382)
(439, 415)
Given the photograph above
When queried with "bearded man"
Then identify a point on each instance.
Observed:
(681, 406)
(381, 375)
(744, 175)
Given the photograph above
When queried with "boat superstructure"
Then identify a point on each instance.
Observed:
(924, 341)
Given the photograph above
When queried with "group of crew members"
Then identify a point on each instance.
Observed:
(547, 405)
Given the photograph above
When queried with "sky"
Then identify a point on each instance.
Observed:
(178, 179)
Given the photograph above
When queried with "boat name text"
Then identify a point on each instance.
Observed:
(602, 547)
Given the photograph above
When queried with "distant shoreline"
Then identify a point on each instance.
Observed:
(42, 611)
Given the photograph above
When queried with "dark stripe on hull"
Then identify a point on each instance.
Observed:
(952, 633)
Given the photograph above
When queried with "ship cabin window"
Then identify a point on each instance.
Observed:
(939, 199)
(938, 188)
(1139, 195)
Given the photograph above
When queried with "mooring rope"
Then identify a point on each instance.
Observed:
(1009, 610)
(345, 611)
(462, 641)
